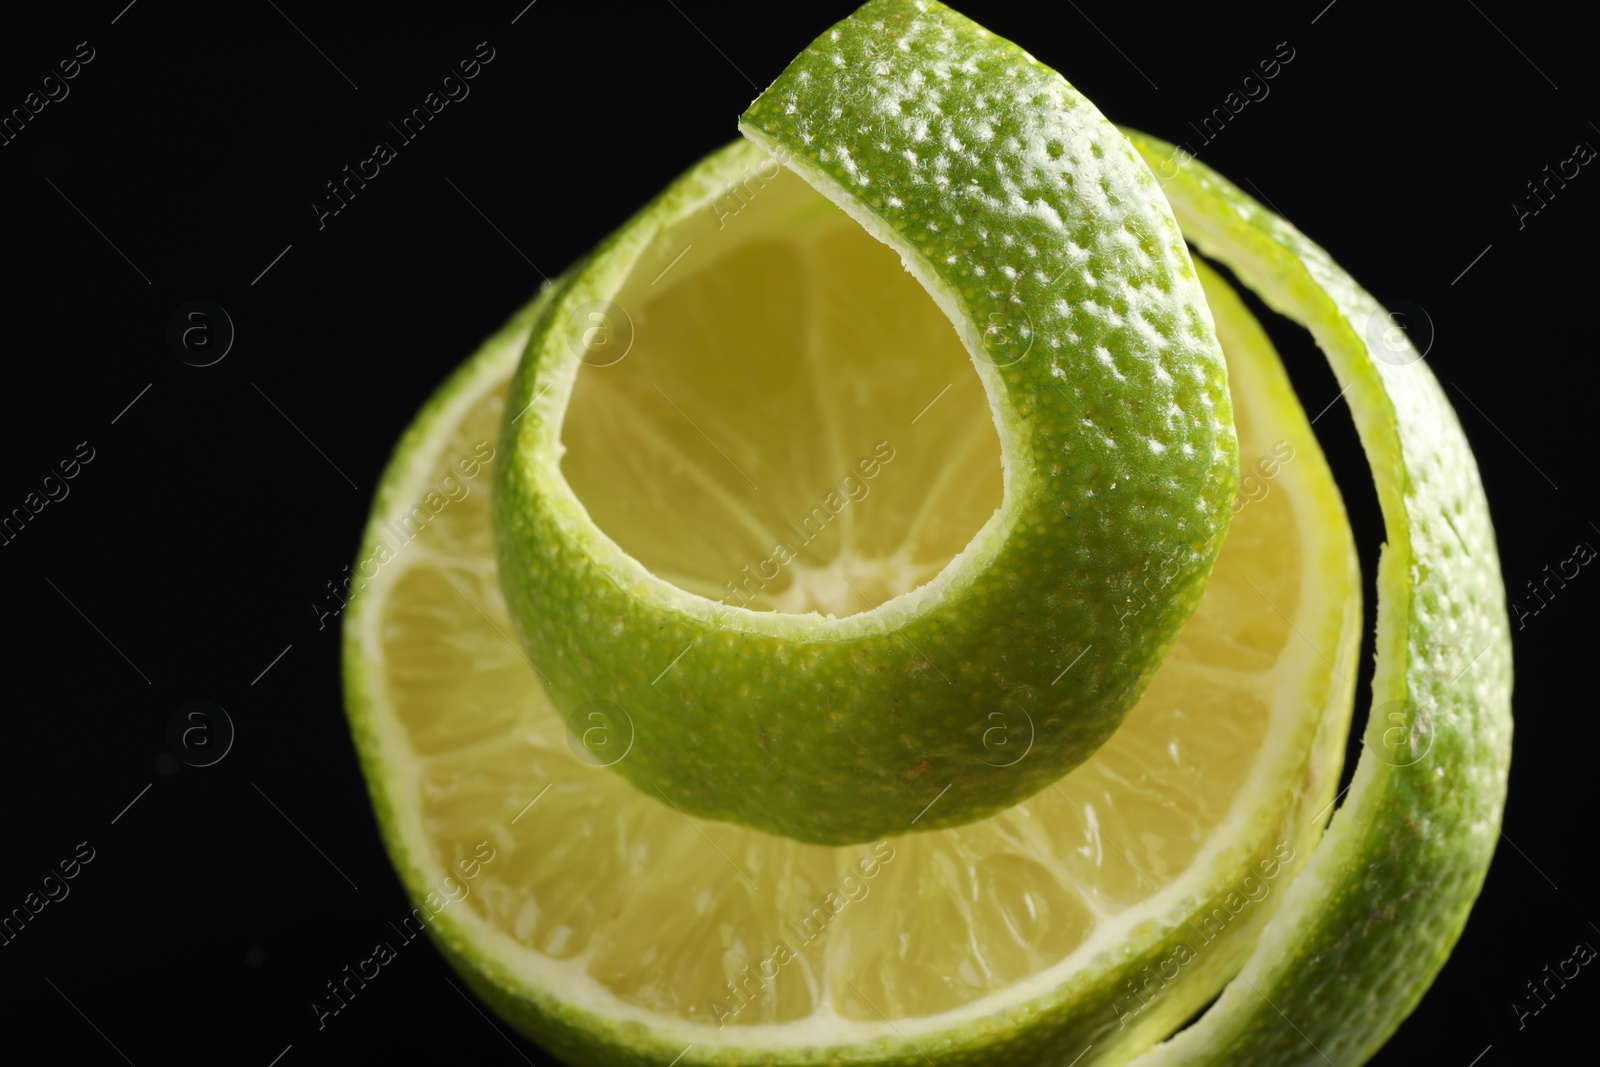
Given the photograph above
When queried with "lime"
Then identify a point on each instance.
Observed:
(1086, 917)
(744, 361)
(614, 928)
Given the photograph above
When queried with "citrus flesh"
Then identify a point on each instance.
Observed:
(1101, 912)
(798, 343)
(839, 693)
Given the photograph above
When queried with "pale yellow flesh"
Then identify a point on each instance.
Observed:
(612, 896)
(789, 391)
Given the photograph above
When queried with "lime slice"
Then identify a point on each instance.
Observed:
(1383, 901)
(1031, 224)
(1092, 918)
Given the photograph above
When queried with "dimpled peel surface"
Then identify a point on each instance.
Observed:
(1374, 916)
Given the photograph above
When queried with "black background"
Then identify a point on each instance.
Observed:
(186, 557)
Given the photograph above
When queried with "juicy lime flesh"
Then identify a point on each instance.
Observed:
(662, 911)
(796, 426)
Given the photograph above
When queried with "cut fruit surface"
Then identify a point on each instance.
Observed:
(728, 510)
(791, 385)
(615, 928)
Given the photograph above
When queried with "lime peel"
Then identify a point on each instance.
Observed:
(1042, 235)
(1413, 841)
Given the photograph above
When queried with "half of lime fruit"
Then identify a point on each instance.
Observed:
(1087, 921)
(618, 929)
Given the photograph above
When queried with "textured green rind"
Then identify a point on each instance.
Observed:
(1044, 237)
(382, 783)
(1369, 923)
(578, 1037)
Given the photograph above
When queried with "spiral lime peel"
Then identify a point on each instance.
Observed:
(1384, 899)
(1034, 226)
